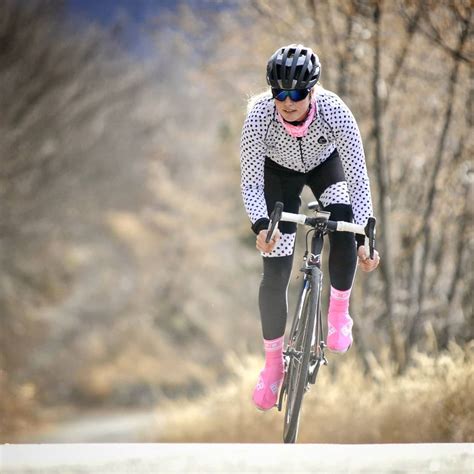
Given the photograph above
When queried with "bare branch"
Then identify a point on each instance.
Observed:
(426, 229)
(465, 219)
(384, 189)
(432, 33)
(411, 30)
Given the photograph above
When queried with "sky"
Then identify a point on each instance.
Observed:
(106, 11)
(137, 14)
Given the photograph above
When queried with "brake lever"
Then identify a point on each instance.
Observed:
(274, 220)
(370, 237)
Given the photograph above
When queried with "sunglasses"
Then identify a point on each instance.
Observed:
(295, 94)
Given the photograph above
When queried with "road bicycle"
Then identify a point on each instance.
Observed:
(304, 352)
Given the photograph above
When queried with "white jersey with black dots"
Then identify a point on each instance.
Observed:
(333, 127)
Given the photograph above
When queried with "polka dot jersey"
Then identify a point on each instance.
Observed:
(333, 127)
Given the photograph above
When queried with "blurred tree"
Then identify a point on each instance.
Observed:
(117, 235)
(443, 25)
(61, 98)
(74, 113)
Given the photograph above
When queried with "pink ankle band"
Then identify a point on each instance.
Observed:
(340, 294)
(339, 301)
(273, 345)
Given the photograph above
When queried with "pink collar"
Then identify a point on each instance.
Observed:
(299, 130)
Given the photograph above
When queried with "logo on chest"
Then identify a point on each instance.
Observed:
(322, 140)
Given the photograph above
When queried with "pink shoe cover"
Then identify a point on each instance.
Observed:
(265, 393)
(339, 322)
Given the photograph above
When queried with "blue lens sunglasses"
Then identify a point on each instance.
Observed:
(294, 94)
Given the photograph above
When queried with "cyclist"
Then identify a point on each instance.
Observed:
(301, 134)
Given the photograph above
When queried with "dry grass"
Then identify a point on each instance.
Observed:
(431, 402)
(17, 407)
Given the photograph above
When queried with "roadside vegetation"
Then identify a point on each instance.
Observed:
(430, 403)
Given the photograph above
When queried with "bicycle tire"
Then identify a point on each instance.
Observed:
(297, 375)
(298, 321)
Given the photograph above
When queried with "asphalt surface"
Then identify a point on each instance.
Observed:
(120, 427)
(237, 458)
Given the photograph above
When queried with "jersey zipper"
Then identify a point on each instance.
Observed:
(300, 140)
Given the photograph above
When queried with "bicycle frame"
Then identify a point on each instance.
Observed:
(313, 267)
(313, 279)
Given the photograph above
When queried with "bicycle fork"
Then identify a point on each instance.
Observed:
(317, 343)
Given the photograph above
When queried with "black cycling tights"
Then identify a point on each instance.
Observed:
(277, 270)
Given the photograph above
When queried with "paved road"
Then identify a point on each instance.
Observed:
(237, 458)
(135, 427)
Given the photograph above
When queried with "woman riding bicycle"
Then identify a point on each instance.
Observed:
(301, 134)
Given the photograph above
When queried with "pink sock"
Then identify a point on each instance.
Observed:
(266, 391)
(339, 322)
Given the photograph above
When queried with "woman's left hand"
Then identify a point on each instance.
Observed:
(365, 263)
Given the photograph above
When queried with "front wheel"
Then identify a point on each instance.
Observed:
(298, 353)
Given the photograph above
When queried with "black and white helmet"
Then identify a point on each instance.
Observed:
(293, 67)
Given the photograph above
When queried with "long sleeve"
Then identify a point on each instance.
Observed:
(252, 161)
(350, 149)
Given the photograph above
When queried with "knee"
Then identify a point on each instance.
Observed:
(341, 240)
(340, 212)
(276, 272)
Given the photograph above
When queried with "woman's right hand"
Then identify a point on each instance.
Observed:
(262, 245)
